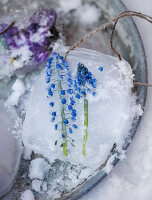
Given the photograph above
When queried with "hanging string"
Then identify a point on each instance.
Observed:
(115, 20)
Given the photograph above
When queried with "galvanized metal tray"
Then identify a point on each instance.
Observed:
(127, 40)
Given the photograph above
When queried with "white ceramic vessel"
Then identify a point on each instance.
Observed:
(10, 148)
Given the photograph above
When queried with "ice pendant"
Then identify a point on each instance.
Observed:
(85, 119)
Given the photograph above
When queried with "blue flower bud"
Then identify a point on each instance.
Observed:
(49, 61)
(72, 102)
(75, 126)
(88, 90)
(69, 84)
(56, 126)
(48, 66)
(66, 121)
(61, 57)
(47, 79)
(62, 92)
(63, 135)
(83, 93)
(49, 72)
(51, 104)
(69, 107)
(58, 66)
(68, 74)
(70, 130)
(94, 80)
(77, 96)
(54, 114)
(53, 85)
(65, 64)
(63, 100)
(73, 119)
(73, 113)
(50, 92)
(94, 85)
(100, 69)
(52, 119)
(94, 93)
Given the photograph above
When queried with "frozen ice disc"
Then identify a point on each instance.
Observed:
(110, 116)
(111, 111)
(10, 148)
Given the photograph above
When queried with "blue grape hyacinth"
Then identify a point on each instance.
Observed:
(84, 83)
(58, 78)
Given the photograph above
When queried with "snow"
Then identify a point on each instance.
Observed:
(27, 195)
(44, 186)
(38, 36)
(85, 13)
(68, 5)
(38, 168)
(89, 14)
(24, 55)
(18, 90)
(27, 154)
(36, 185)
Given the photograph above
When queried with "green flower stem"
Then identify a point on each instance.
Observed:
(64, 131)
(85, 135)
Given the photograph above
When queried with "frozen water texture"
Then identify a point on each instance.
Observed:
(18, 89)
(36, 185)
(9, 149)
(87, 13)
(27, 195)
(38, 168)
(114, 98)
(111, 113)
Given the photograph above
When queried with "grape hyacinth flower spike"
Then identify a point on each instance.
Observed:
(58, 78)
(84, 83)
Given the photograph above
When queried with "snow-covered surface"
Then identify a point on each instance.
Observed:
(38, 168)
(18, 89)
(36, 185)
(131, 179)
(87, 14)
(27, 195)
